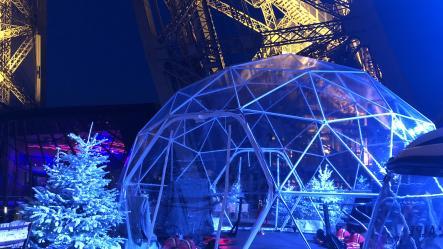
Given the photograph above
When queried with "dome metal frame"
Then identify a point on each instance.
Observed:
(286, 116)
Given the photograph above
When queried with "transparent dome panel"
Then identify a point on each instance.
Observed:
(262, 147)
(409, 214)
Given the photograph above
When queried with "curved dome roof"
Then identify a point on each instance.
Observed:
(293, 86)
(296, 105)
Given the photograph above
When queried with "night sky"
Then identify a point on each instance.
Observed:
(95, 55)
(406, 38)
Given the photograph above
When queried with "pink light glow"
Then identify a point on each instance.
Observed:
(116, 148)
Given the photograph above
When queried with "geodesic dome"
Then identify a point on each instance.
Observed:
(280, 135)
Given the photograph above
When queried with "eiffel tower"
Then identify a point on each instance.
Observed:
(20, 53)
(186, 40)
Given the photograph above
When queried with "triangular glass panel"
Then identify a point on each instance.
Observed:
(307, 167)
(244, 95)
(277, 102)
(200, 85)
(332, 96)
(192, 106)
(369, 151)
(374, 107)
(399, 106)
(179, 100)
(310, 98)
(264, 133)
(305, 138)
(214, 163)
(358, 83)
(217, 138)
(196, 133)
(218, 100)
(222, 82)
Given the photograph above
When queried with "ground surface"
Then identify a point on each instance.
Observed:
(271, 240)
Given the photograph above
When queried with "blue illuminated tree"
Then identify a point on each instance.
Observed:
(323, 182)
(362, 184)
(75, 209)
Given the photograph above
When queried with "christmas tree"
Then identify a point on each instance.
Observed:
(323, 182)
(75, 209)
(362, 184)
(235, 193)
(311, 207)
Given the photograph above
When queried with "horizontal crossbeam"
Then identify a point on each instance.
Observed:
(238, 15)
(303, 33)
(8, 31)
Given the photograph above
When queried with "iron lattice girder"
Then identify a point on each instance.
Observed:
(184, 16)
(7, 83)
(326, 48)
(304, 33)
(294, 13)
(323, 49)
(12, 65)
(22, 7)
(20, 54)
(238, 15)
(335, 9)
(188, 10)
(8, 31)
(197, 13)
(283, 36)
(307, 27)
(269, 15)
(13, 25)
(212, 47)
